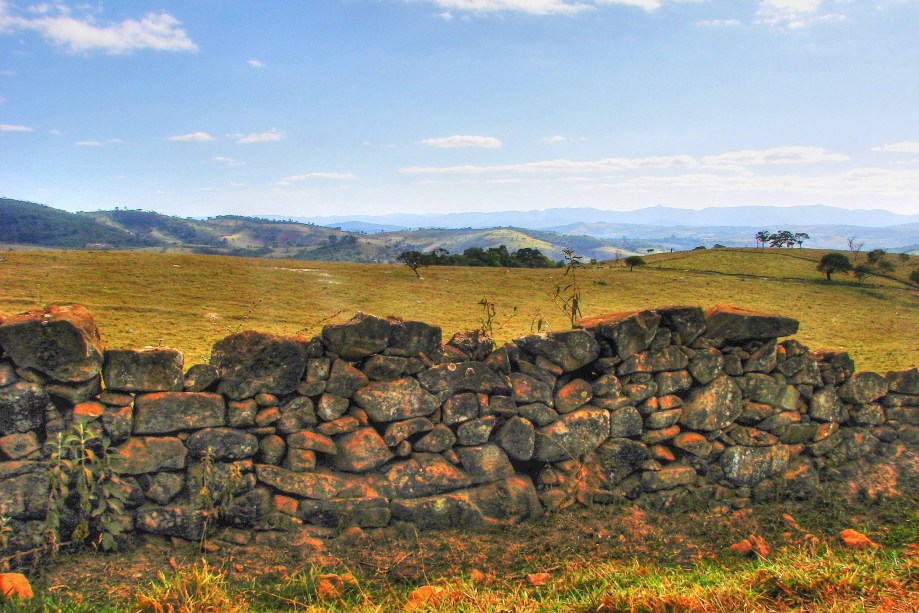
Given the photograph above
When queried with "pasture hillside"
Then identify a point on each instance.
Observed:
(190, 301)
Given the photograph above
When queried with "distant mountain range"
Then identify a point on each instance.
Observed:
(592, 233)
(761, 217)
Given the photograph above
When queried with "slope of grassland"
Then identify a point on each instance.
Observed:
(190, 301)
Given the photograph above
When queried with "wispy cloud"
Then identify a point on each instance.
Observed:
(271, 136)
(558, 138)
(538, 7)
(227, 160)
(774, 155)
(255, 64)
(5, 127)
(904, 146)
(719, 23)
(463, 140)
(603, 165)
(80, 31)
(330, 176)
(794, 13)
(88, 143)
(194, 137)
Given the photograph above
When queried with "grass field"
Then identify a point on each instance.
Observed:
(189, 302)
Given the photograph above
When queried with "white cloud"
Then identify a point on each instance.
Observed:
(719, 23)
(194, 137)
(558, 138)
(463, 140)
(791, 13)
(227, 160)
(774, 155)
(331, 176)
(88, 143)
(647, 5)
(904, 146)
(603, 165)
(82, 32)
(533, 7)
(255, 64)
(271, 136)
(5, 127)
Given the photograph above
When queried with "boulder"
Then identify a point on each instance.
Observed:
(317, 485)
(152, 369)
(363, 335)
(825, 406)
(385, 367)
(747, 466)
(568, 349)
(19, 445)
(369, 512)
(630, 331)
(518, 438)
(61, 342)
(475, 431)
(200, 377)
(904, 381)
(863, 388)
(573, 435)
(726, 323)
(412, 338)
(706, 365)
(460, 408)
(22, 407)
(440, 438)
(223, 443)
(686, 322)
(253, 362)
(23, 489)
(453, 377)
(183, 522)
(573, 395)
(425, 474)
(142, 454)
(361, 451)
(625, 422)
(500, 504)
(527, 390)
(714, 406)
(398, 431)
(485, 463)
(163, 412)
(344, 379)
(386, 401)
(667, 478)
(474, 344)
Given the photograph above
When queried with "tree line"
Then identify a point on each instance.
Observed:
(782, 238)
(499, 257)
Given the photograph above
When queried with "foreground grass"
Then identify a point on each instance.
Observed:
(189, 301)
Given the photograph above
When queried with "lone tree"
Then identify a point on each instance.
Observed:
(800, 237)
(414, 260)
(861, 271)
(762, 237)
(834, 262)
(634, 260)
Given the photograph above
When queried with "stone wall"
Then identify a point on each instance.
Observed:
(377, 421)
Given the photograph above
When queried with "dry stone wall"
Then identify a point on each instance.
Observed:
(377, 421)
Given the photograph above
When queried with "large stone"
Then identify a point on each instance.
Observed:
(767, 390)
(360, 451)
(345, 379)
(200, 377)
(60, 341)
(764, 359)
(825, 406)
(518, 438)
(222, 443)
(572, 436)
(460, 408)
(904, 381)
(152, 369)
(485, 463)
(317, 485)
(475, 431)
(386, 401)
(186, 523)
(19, 445)
(569, 349)
(248, 509)
(22, 407)
(630, 331)
(250, 363)
(424, 475)
(714, 406)
(453, 377)
(686, 322)
(527, 390)
(162, 412)
(439, 439)
(370, 512)
(474, 344)
(573, 395)
(74, 393)
(141, 454)
(500, 504)
(23, 490)
(726, 323)
(706, 365)
(625, 421)
(863, 388)
(667, 478)
(620, 457)
(398, 431)
(747, 466)
(358, 338)
(411, 338)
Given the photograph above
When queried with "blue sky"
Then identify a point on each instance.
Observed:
(206, 107)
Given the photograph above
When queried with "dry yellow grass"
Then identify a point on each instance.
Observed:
(189, 301)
